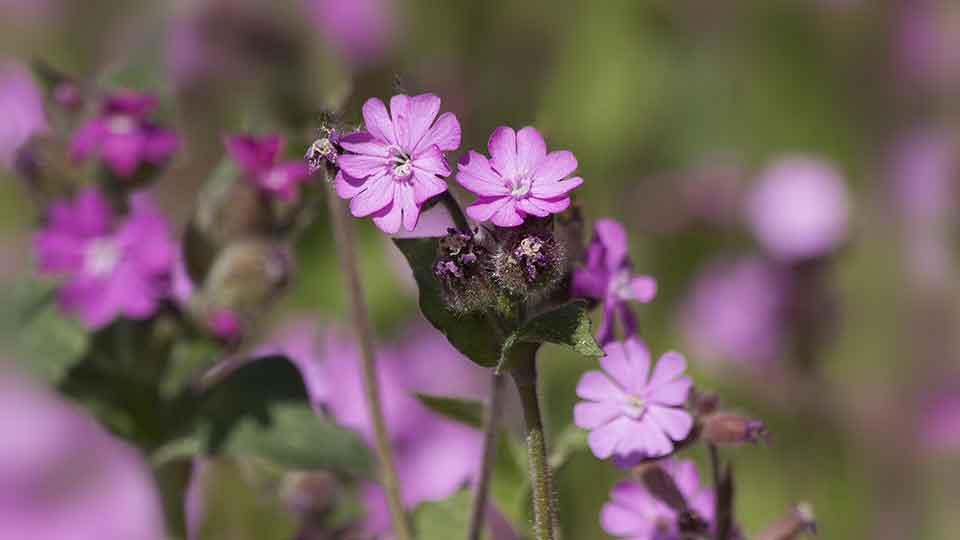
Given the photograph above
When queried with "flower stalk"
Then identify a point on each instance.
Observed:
(343, 236)
(482, 490)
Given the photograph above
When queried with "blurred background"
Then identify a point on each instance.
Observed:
(787, 170)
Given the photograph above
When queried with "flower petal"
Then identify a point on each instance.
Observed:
(122, 153)
(529, 206)
(531, 150)
(503, 151)
(432, 161)
(253, 154)
(378, 194)
(671, 393)
(86, 139)
(551, 189)
(556, 166)
(550, 206)
(411, 210)
(389, 218)
(675, 422)
(445, 133)
(642, 288)
(474, 173)
(363, 142)
(377, 121)
(627, 363)
(159, 145)
(646, 438)
(426, 186)
(605, 439)
(670, 366)
(361, 166)
(347, 186)
(591, 414)
(484, 208)
(508, 215)
(596, 386)
(613, 237)
(412, 117)
(620, 521)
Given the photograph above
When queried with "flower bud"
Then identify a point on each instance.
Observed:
(798, 522)
(310, 492)
(703, 403)
(530, 261)
(731, 428)
(460, 268)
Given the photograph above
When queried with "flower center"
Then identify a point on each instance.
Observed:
(101, 257)
(520, 186)
(620, 285)
(121, 124)
(633, 407)
(402, 164)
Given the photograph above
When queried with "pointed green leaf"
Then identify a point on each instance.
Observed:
(472, 335)
(465, 411)
(568, 325)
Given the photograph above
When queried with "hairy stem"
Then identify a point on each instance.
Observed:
(343, 236)
(525, 377)
(722, 494)
(482, 490)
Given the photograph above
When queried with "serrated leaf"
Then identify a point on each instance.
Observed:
(465, 411)
(472, 335)
(262, 409)
(568, 325)
(445, 519)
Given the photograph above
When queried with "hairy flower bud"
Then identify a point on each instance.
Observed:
(530, 261)
(799, 522)
(460, 268)
(731, 428)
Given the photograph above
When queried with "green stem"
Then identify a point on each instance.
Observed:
(525, 378)
(481, 493)
(345, 244)
(456, 213)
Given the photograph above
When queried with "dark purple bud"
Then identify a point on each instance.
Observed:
(731, 428)
(461, 269)
(530, 261)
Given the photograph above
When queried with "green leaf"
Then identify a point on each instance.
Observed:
(445, 519)
(510, 485)
(465, 411)
(472, 335)
(262, 409)
(568, 442)
(187, 360)
(568, 325)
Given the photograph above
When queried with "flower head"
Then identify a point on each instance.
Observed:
(460, 268)
(521, 179)
(21, 107)
(635, 513)
(633, 415)
(111, 269)
(396, 165)
(324, 149)
(607, 275)
(122, 135)
(257, 158)
(529, 260)
(799, 209)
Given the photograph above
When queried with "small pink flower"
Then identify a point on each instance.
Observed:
(257, 158)
(111, 269)
(21, 107)
(631, 414)
(521, 179)
(397, 164)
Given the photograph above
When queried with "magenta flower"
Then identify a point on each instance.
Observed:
(361, 30)
(122, 135)
(396, 163)
(111, 269)
(634, 513)
(607, 275)
(520, 179)
(799, 209)
(21, 107)
(257, 158)
(631, 414)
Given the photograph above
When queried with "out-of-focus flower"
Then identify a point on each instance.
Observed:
(607, 275)
(62, 476)
(940, 420)
(257, 159)
(731, 428)
(635, 513)
(799, 209)
(735, 312)
(21, 107)
(632, 414)
(396, 163)
(926, 35)
(520, 179)
(112, 269)
(361, 30)
(122, 135)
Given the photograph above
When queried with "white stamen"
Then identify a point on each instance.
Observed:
(101, 257)
(121, 124)
(520, 186)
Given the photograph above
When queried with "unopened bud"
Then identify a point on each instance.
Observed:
(460, 267)
(530, 261)
(800, 521)
(731, 428)
(310, 492)
(704, 403)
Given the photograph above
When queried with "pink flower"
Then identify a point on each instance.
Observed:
(122, 135)
(257, 158)
(607, 275)
(21, 107)
(799, 209)
(636, 514)
(521, 179)
(111, 269)
(396, 162)
(361, 30)
(631, 414)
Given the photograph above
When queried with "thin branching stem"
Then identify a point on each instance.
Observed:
(343, 236)
(482, 489)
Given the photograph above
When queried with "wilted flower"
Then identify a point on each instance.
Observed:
(325, 148)
(112, 268)
(607, 275)
(122, 135)
(734, 312)
(63, 476)
(461, 269)
(21, 107)
(521, 179)
(529, 260)
(633, 415)
(635, 513)
(396, 163)
(799, 209)
(257, 159)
